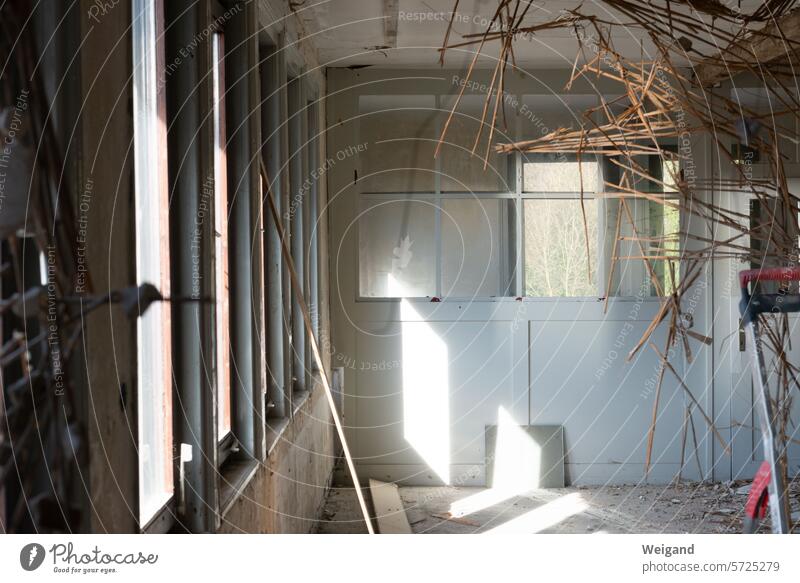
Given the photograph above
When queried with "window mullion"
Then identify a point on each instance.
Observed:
(437, 173)
(520, 226)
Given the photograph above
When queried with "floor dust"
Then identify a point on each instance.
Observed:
(685, 508)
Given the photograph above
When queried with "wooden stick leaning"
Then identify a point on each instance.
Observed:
(287, 256)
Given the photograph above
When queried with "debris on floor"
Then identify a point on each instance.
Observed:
(697, 507)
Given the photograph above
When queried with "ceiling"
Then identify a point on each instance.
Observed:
(362, 32)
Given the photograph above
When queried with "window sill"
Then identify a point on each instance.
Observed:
(237, 472)
(299, 399)
(275, 429)
(162, 520)
(455, 300)
(235, 475)
(277, 426)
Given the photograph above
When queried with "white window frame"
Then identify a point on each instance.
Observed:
(518, 196)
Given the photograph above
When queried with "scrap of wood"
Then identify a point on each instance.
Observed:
(457, 519)
(389, 511)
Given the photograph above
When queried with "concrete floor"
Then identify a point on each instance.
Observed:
(686, 508)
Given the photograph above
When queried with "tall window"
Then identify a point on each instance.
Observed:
(154, 386)
(298, 205)
(221, 244)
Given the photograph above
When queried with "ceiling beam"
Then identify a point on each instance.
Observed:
(777, 40)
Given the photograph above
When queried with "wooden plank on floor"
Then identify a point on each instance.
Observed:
(389, 509)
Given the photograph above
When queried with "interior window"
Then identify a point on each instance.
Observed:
(446, 227)
(397, 248)
(477, 247)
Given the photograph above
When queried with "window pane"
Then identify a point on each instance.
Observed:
(397, 137)
(670, 170)
(665, 231)
(544, 113)
(152, 265)
(555, 248)
(461, 170)
(221, 245)
(648, 229)
(477, 247)
(654, 234)
(397, 248)
(558, 174)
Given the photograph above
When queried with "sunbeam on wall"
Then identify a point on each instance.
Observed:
(426, 408)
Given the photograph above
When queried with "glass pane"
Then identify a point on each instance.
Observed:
(670, 170)
(461, 170)
(555, 248)
(477, 247)
(397, 140)
(221, 243)
(550, 174)
(664, 172)
(154, 388)
(397, 248)
(665, 233)
(542, 114)
(654, 234)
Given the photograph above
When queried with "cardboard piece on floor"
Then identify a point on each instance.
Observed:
(389, 508)
(524, 457)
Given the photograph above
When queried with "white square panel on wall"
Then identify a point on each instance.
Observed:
(579, 379)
